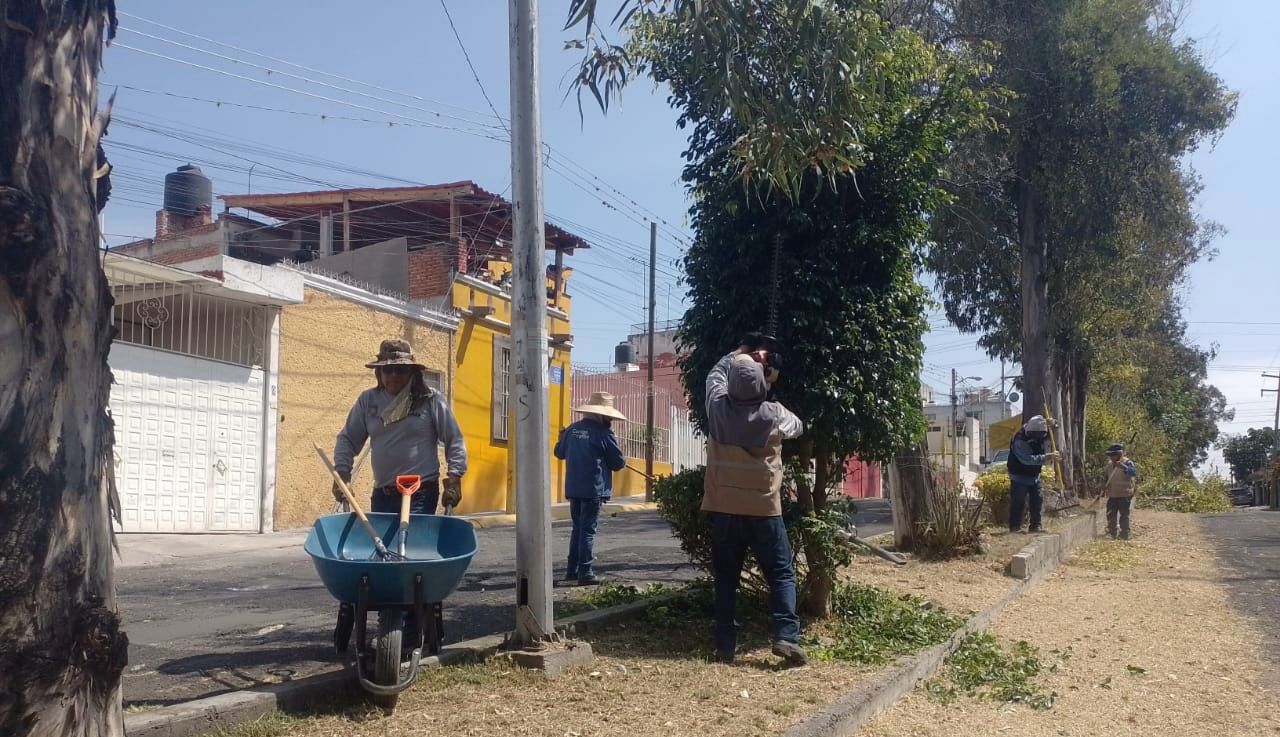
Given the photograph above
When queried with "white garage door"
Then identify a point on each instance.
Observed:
(188, 442)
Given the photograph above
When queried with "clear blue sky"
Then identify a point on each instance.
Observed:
(624, 167)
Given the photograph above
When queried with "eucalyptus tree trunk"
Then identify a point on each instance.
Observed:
(1035, 288)
(61, 648)
(910, 481)
(821, 579)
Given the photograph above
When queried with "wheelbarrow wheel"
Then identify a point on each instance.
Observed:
(386, 668)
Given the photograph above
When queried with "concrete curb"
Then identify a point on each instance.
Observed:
(559, 514)
(846, 716)
(1053, 549)
(238, 707)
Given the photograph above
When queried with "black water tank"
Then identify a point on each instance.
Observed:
(186, 190)
(624, 354)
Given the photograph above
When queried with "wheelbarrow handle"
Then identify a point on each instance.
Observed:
(351, 500)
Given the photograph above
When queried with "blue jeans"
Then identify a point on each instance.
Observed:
(732, 535)
(586, 515)
(423, 501)
(1020, 493)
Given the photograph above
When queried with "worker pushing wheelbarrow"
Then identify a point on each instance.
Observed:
(401, 560)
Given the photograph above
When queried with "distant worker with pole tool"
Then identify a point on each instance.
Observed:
(1026, 457)
(742, 492)
(1119, 482)
(591, 454)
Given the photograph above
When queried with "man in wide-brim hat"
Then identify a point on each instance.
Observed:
(405, 421)
(591, 454)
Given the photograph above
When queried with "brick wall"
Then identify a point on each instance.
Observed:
(172, 223)
(183, 255)
(431, 268)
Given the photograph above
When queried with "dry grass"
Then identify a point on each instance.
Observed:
(1151, 648)
(637, 685)
(963, 585)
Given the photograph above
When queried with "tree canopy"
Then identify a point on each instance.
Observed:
(1248, 452)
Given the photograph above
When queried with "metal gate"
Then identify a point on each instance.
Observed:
(688, 446)
(188, 445)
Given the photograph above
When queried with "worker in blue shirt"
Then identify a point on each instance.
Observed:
(1026, 457)
(591, 454)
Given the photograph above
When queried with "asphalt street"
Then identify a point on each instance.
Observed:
(213, 616)
(1248, 543)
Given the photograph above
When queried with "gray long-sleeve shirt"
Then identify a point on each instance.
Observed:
(405, 447)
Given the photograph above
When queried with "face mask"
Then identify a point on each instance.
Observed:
(1037, 435)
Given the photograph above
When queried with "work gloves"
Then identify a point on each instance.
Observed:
(337, 490)
(451, 491)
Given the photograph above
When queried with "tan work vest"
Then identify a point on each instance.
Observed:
(746, 481)
(1117, 483)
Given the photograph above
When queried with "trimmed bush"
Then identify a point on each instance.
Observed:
(679, 499)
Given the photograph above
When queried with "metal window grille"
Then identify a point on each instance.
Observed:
(501, 388)
(180, 319)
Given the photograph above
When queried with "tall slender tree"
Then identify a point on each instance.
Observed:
(61, 647)
(836, 256)
(1078, 204)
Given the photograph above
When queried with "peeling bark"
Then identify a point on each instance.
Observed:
(61, 648)
(910, 480)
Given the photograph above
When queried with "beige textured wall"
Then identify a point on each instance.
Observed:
(324, 344)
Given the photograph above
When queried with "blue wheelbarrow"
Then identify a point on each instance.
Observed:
(436, 553)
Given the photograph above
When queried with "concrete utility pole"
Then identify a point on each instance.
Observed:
(955, 457)
(1274, 491)
(534, 621)
(649, 399)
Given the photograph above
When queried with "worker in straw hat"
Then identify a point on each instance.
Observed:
(591, 454)
(405, 421)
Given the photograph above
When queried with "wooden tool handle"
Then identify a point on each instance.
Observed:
(346, 491)
(405, 501)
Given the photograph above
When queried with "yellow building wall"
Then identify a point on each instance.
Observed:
(324, 344)
(488, 486)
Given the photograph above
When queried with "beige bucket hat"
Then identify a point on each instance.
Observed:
(601, 403)
(394, 352)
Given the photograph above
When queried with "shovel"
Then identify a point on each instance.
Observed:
(407, 486)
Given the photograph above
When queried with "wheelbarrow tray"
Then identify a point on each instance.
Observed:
(439, 548)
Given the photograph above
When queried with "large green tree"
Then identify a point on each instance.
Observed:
(1073, 221)
(837, 253)
(1248, 453)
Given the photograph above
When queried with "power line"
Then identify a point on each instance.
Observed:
(474, 74)
(568, 160)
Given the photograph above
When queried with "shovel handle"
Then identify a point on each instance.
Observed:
(351, 499)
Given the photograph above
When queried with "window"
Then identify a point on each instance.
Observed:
(501, 387)
(936, 428)
(434, 380)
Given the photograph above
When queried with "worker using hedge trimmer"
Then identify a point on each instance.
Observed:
(742, 494)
